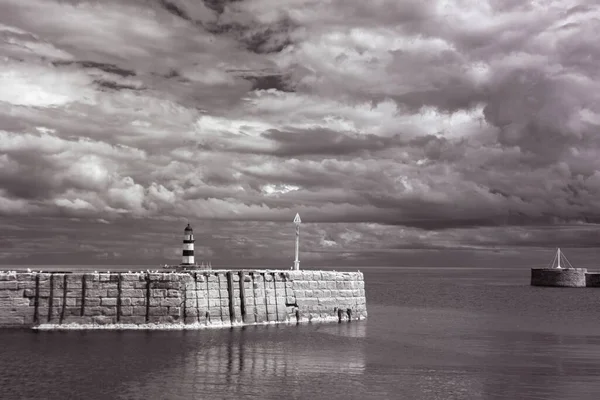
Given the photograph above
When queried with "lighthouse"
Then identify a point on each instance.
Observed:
(188, 246)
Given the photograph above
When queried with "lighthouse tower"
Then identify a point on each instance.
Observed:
(188, 246)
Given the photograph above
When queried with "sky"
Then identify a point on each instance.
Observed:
(392, 127)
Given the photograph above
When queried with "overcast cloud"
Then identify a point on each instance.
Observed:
(387, 125)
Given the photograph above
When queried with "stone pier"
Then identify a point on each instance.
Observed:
(178, 300)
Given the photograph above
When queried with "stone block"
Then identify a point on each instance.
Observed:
(158, 311)
(156, 277)
(103, 320)
(126, 310)
(202, 303)
(307, 302)
(112, 292)
(282, 315)
(155, 301)
(137, 320)
(92, 302)
(133, 277)
(5, 276)
(74, 293)
(71, 302)
(92, 311)
(191, 313)
(9, 285)
(138, 301)
(26, 284)
(11, 320)
(173, 293)
(139, 311)
(326, 301)
(109, 311)
(128, 285)
(174, 311)
(272, 309)
(301, 285)
(158, 293)
(108, 302)
(96, 293)
(169, 302)
(6, 294)
(71, 311)
(260, 316)
(134, 293)
(190, 303)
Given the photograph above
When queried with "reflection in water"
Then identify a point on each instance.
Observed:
(257, 361)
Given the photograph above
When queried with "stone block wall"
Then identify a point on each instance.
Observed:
(191, 299)
(567, 277)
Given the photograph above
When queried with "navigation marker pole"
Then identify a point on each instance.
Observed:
(297, 221)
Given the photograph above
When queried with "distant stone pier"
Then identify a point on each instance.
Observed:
(562, 277)
(178, 300)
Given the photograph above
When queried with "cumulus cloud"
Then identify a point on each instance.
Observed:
(388, 125)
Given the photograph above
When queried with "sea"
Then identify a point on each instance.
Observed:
(433, 333)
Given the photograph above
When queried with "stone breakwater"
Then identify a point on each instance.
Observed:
(178, 300)
(567, 277)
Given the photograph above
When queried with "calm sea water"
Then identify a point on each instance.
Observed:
(436, 333)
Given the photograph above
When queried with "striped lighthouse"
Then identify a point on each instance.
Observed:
(188, 246)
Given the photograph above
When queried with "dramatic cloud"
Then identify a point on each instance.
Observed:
(389, 126)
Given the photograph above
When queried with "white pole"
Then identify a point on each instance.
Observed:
(297, 221)
(559, 257)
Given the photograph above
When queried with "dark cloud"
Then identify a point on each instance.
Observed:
(293, 143)
(104, 84)
(110, 68)
(277, 82)
(389, 126)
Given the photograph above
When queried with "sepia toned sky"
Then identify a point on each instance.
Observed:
(390, 126)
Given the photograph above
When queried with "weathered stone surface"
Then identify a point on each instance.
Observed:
(137, 320)
(9, 285)
(108, 302)
(268, 296)
(133, 293)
